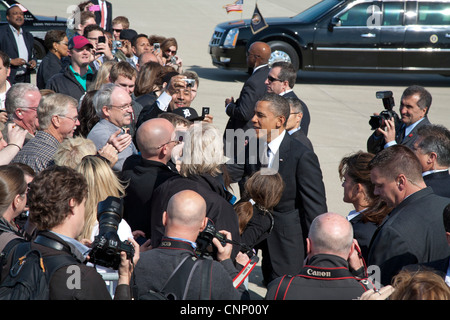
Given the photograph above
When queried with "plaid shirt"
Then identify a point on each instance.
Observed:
(38, 153)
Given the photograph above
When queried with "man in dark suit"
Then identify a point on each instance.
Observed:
(145, 172)
(281, 80)
(432, 147)
(18, 44)
(104, 13)
(304, 194)
(293, 126)
(241, 112)
(413, 232)
(440, 266)
(414, 107)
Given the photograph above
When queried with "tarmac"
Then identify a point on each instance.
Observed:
(340, 103)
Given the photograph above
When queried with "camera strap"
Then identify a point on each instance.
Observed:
(245, 272)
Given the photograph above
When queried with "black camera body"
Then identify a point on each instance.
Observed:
(204, 239)
(107, 246)
(389, 113)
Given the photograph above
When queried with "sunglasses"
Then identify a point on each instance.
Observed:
(272, 79)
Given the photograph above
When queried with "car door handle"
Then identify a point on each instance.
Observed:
(368, 35)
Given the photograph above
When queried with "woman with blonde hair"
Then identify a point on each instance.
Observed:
(102, 183)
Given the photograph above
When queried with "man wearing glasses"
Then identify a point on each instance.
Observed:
(113, 105)
(281, 80)
(21, 104)
(58, 118)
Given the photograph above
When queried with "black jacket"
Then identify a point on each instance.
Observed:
(66, 83)
(218, 207)
(412, 233)
(90, 284)
(143, 177)
(324, 277)
(49, 66)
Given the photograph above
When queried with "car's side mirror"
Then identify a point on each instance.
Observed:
(335, 22)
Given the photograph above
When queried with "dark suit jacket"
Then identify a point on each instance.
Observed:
(300, 136)
(412, 233)
(303, 199)
(304, 124)
(440, 182)
(8, 45)
(109, 18)
(439, 266)
(376, 144)
(363, 233)
(242, 111)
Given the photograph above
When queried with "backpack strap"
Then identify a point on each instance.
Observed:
(205, 290)
(176, 286)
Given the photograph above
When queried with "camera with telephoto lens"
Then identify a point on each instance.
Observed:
(107, 246)
(387, 114)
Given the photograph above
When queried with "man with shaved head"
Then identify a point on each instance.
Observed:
(326, 275)
(242, 110)
(183, 220)
(155, 139)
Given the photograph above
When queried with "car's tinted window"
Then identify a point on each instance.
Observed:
(358, 15)
(393, 14)
(433, 13)
(3, 8)
(316, 11)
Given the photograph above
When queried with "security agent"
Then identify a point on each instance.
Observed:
(327, 273)
(184, 219)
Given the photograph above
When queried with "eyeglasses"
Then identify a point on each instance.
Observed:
(32, 108)
(177, 142)
(64, 43)
(124, 107)
(272, 79)
(117, 30)
(171, 51)
(74, 119)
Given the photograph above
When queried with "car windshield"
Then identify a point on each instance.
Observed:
(312, 13)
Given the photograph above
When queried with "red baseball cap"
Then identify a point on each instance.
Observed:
(79, 42)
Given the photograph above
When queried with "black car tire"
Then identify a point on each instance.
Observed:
(282, 51)
(39, 49)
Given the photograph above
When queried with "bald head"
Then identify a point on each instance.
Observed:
(185, 215)
(330, 233)
(258, 54)
(151, 134)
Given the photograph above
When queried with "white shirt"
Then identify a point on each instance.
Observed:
(274, 145)
(22, 47)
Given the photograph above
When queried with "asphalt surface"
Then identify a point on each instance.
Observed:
(340, 103)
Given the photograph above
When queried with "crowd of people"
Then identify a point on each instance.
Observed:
(110, 116)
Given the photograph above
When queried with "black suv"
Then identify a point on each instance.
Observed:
(348, 35)
(36, 25)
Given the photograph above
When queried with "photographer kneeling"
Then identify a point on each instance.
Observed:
(184, 219)
(57, 198)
